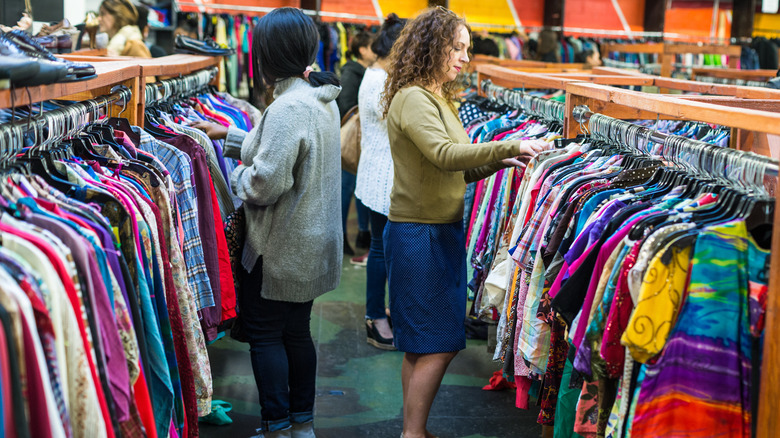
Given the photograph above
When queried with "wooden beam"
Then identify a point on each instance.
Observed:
(616, 80)
(619, 71)
(553, 13)
(733, 73)
(735, 102)
(655, 15)
(704, 49)
(506, 77)
(651, 48)
(743, 17)
(727, 116)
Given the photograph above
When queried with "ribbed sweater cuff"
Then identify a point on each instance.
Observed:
(233, 141)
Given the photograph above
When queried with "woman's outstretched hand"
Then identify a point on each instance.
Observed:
(215, 131)
(526, 150)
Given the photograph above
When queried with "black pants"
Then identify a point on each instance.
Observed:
(283, 356)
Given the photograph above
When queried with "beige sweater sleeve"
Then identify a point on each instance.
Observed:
(424, 123)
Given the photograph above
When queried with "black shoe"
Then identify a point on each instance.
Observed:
(363, 240)
(374, 338)
(78, 71)
(207, 47)
(348, 249)
(15, 64)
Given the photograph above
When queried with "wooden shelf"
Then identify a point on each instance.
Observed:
(108, 74)
(175, 65)
(90, 52)
(171, 65)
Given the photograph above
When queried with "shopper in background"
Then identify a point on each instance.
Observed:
(119, 19)
(375, 180)
(549, 48)
(289, 184)
(589, 56)
(424, 238)
(186, 28)
(351, 76)
(143, 24)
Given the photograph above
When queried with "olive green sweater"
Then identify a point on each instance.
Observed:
(433, 158)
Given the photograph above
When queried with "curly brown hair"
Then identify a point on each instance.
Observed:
(420, 52)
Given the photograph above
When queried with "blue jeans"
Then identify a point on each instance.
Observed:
(376, 270)
(348, 181)
(282, 351)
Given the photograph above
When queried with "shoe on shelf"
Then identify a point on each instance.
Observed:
(64, 44)
(363, 240)
(16, 65)
(78, 71)
(50, 28)
(361, 260)
(374, 338)
(47, 42)
(207, 47)
(348, 249)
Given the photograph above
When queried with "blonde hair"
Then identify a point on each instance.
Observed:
(124, 12)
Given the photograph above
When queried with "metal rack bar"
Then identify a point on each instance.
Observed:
(61, 122)
(582, 114)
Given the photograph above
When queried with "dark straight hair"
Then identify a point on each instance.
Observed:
(285, 42)
(390, 31)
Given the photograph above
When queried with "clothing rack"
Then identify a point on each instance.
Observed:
(537, 106)
(61, 123)
(189, 84)
(753, 115)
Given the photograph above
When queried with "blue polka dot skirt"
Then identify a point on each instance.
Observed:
(426, 274)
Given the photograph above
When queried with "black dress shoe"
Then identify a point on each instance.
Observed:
(18, 70)
(79, 71)
(207, 47)
(16, 63)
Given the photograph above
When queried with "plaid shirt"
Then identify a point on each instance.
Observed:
(178, 165)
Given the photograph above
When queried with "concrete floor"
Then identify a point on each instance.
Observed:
(359, 386)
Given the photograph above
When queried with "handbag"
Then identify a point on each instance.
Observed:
(350, 140)
(235, 234)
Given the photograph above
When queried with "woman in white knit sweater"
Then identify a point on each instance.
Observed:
(375, 181)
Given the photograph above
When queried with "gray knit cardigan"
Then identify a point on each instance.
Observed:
(290, 182)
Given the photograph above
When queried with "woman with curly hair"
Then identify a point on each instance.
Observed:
(424, 237)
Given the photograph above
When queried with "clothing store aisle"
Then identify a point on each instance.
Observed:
(359, 387)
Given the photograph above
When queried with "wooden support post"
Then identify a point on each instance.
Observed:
(743, 18)
(553, 13)
(655, 14)
(312, 5)
(769, 401)
(570, 126)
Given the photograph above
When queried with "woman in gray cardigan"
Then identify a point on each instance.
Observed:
(289, 182)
